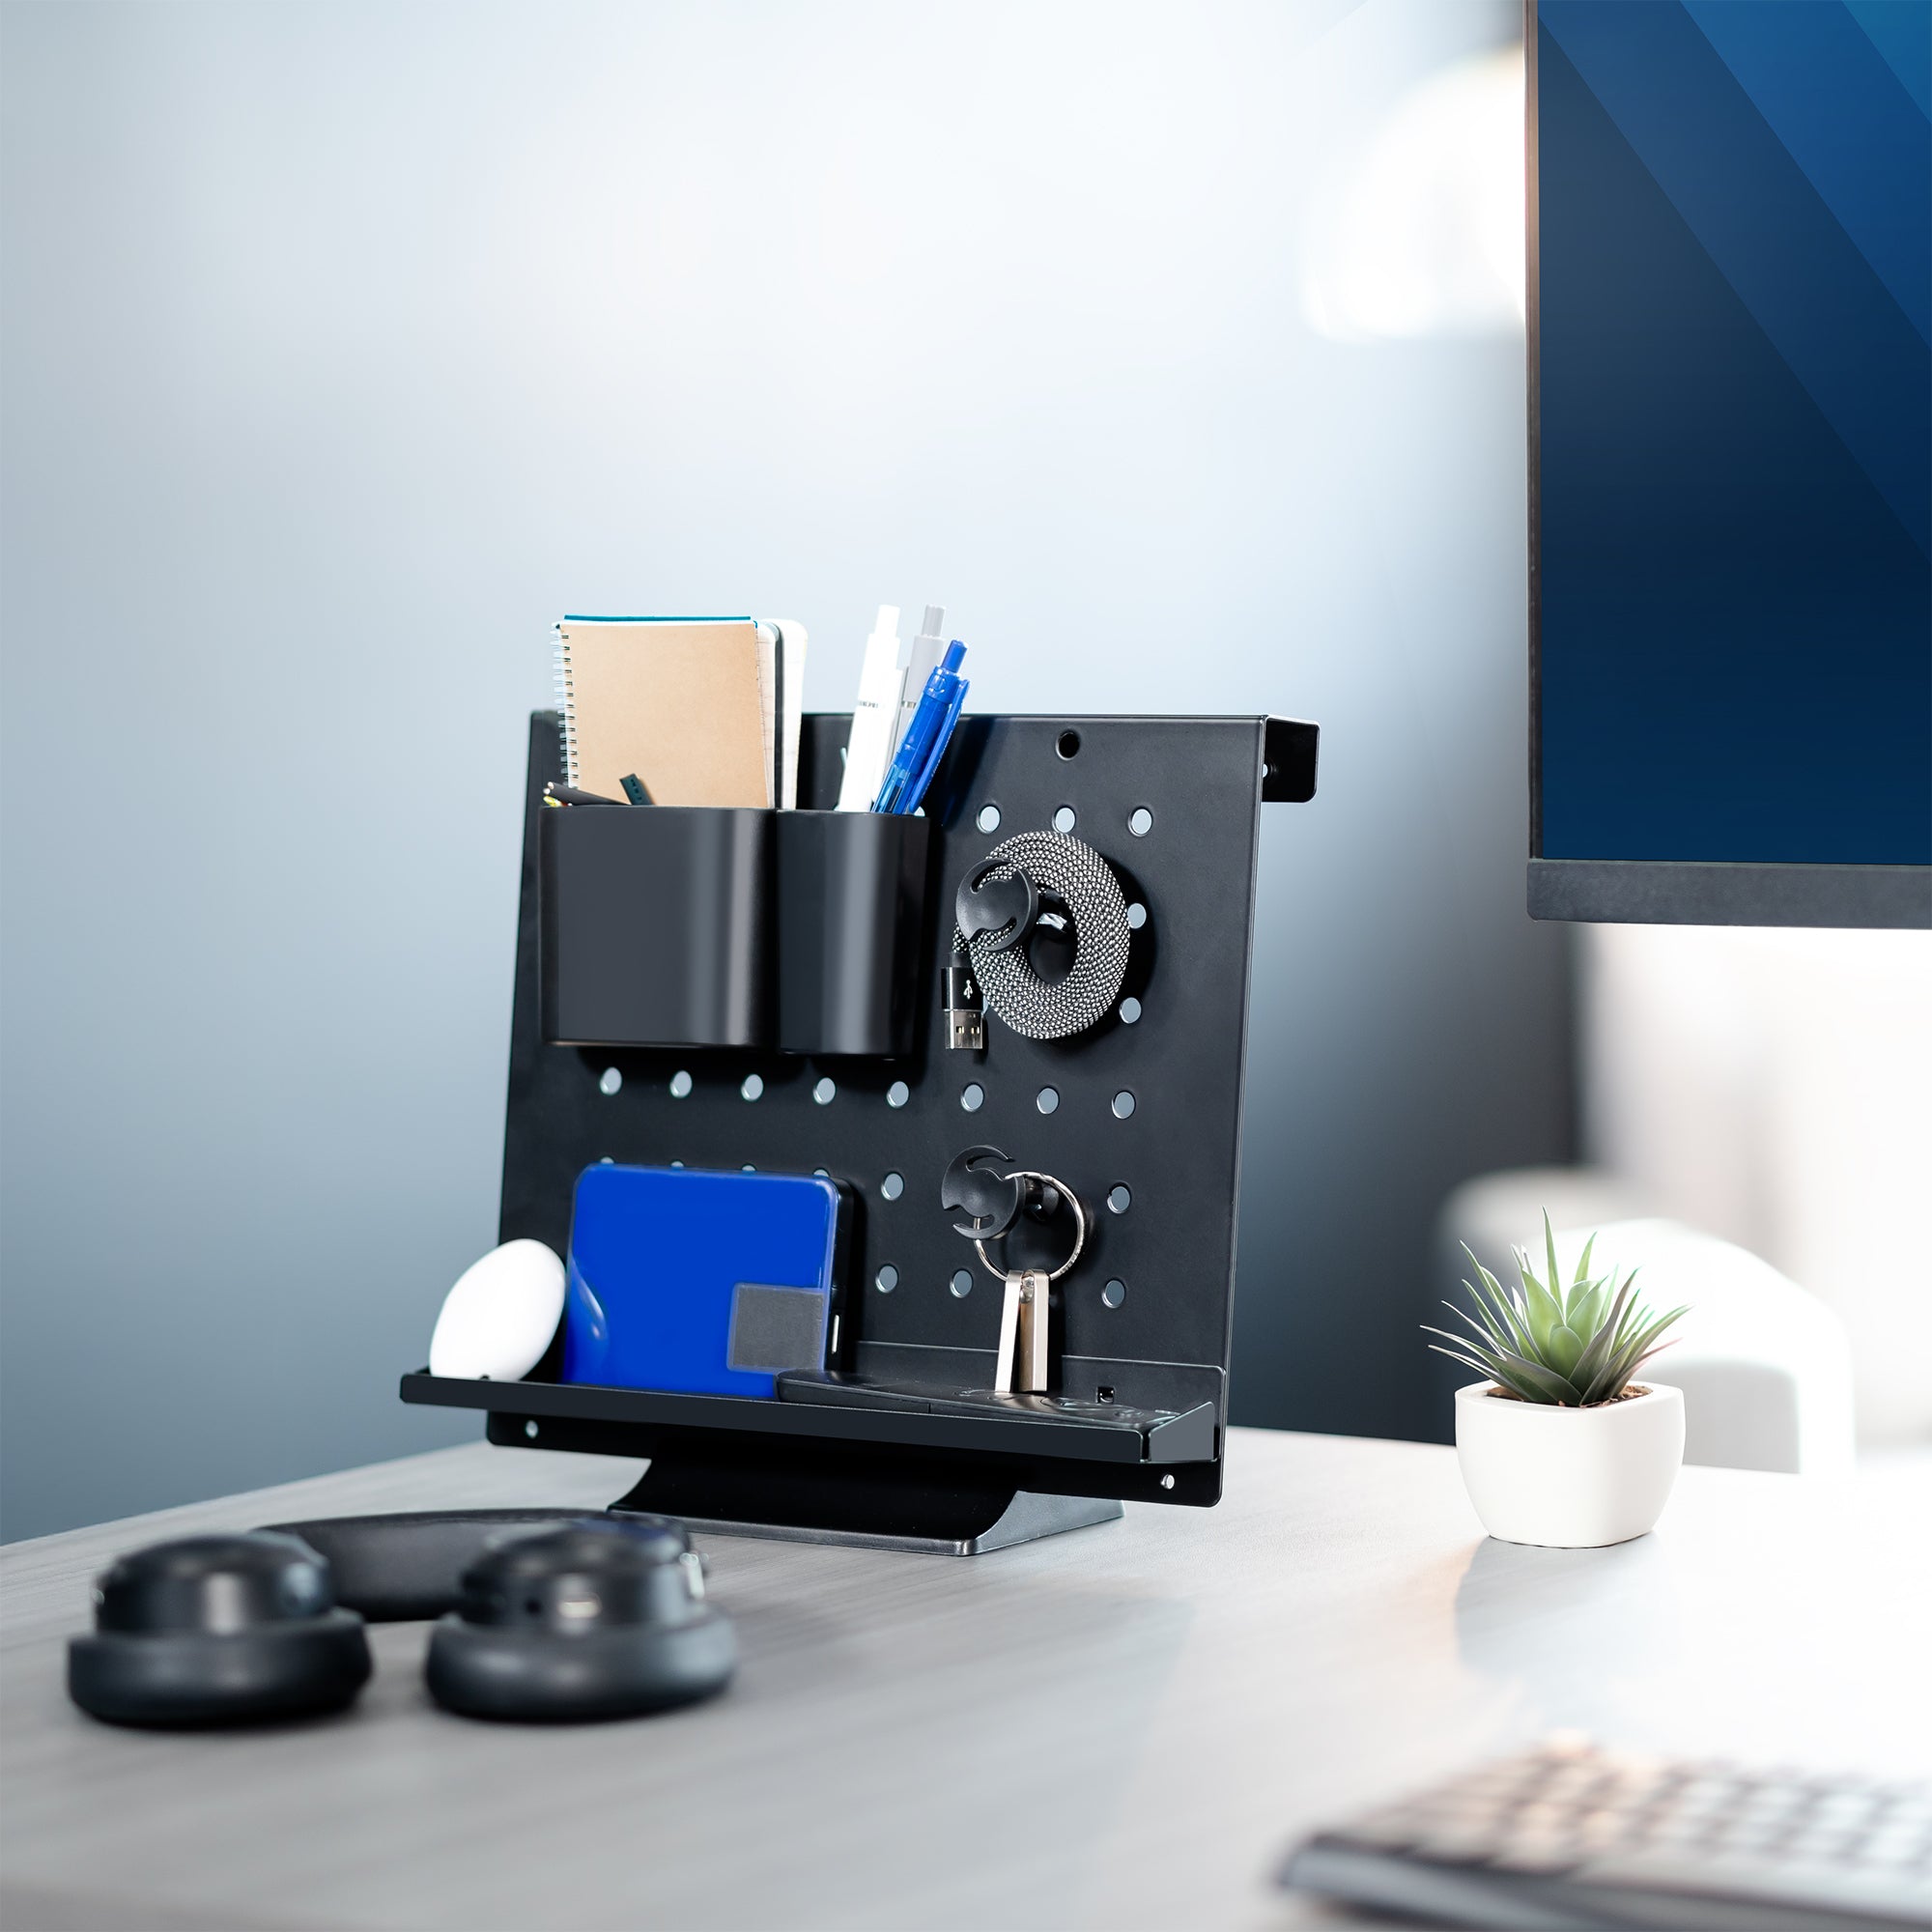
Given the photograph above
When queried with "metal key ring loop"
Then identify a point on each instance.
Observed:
(1079, 1223)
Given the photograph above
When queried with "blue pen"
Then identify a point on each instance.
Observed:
(923, 745)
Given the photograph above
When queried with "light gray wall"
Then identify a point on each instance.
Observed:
(343, 348)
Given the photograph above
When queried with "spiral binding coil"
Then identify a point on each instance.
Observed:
(1071, 870)
(566, 702)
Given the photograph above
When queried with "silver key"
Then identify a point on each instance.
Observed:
(1023, 1333)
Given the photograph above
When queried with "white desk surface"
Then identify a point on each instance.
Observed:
(1122, 1727)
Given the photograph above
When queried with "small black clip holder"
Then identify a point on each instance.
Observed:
(665, 957)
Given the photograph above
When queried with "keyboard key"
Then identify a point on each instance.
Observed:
(1603, 1837)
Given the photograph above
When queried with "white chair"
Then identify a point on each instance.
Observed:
(1765, 1368)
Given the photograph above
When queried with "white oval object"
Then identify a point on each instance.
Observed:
(1569, 1478)
(499, 1319)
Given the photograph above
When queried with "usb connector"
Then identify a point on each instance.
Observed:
(965, 1011)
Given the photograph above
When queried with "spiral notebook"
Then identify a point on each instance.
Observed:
(704, 710)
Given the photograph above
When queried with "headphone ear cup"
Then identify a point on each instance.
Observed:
(217, 1630)
(526, 1676)
(604, 1619)
(202, 1678)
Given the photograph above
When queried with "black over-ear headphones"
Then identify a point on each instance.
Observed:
(550, 1617)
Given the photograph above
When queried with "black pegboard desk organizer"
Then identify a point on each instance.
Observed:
(1140, 1115)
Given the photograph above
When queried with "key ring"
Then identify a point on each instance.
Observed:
(1079, 1223)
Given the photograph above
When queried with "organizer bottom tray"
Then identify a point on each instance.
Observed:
(830, 1410)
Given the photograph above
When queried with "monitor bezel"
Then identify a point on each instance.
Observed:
(1665, 892)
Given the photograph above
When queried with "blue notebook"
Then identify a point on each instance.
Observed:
(706, 1284)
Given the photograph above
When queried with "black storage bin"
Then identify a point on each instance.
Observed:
(656, 926)
(851, 897)
(798, 931)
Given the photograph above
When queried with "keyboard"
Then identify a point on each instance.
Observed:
(1572, 1835)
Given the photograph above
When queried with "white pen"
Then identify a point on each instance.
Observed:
(875, 715)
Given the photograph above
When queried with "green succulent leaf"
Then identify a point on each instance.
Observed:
(1493, 1296)
(1489, 1368)
(1502, 1373)
(1647, 1354)
(1565, 1345)
(1512, 1319)
(1541, 1307)
(1583, 1259)
(1549, 1248)
(1584, 1310)
(1604, 1344)
(1518, 1384)
(1485, 1334)
(1630, 1357)
(1549, 1384)
(1468, 1361)
(1635, 1314)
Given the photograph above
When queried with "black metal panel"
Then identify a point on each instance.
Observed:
(1657, 892)
(1194, 786)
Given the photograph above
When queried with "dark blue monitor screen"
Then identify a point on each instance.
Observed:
(1732, 430)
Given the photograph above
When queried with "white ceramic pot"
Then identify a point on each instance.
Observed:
(1569, 1478)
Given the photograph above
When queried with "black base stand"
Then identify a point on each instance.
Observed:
(922, 1509)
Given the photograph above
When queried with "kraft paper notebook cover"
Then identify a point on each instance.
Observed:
(680, 701)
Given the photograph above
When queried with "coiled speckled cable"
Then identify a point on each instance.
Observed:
(1071, 870)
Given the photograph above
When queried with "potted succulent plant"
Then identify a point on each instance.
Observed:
(1558, 1445)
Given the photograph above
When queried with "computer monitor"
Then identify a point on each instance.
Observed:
(1730, 461)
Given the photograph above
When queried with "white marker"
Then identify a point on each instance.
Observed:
(929, 649)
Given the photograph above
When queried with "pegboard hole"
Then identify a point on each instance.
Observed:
(1137, 915)
(963, 1284)
(606, 1160)
(887, 1279)
(1048, 1100)
(1120, 1198)
(893, 1187)
(1123, 1104)
(1140, 821)
(988, 819)
(826, 1091)
(898, 1093)
(822, 1172)
(1115, 1293)
(1104, 1393)
(1130, 1011)
(1067, 744)
(680, 1083)
(1167, 1482)
(530, 1430)
(609, 1081)
(1066, 819)
(972, 1096)
(752, 1086)
(677, 1163)
(748, 1168)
